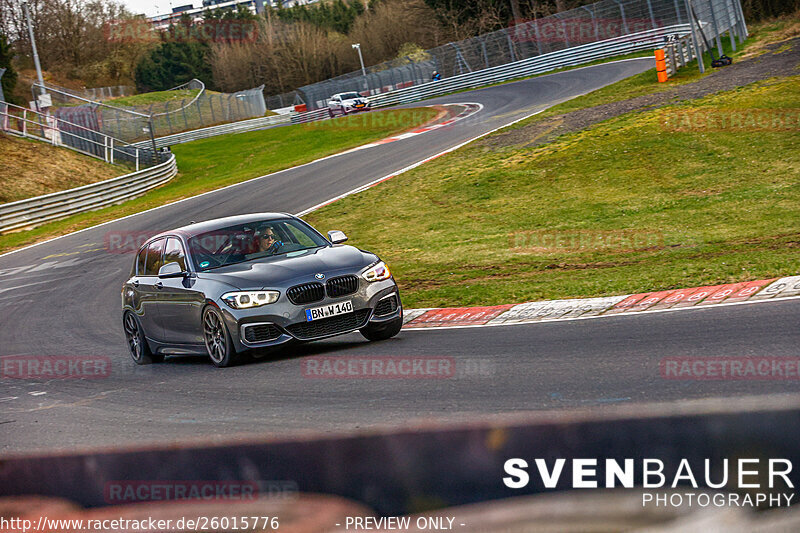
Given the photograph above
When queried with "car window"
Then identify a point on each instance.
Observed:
(140, 260)
(154, 252)
(174, 253)
(299, 237)
(252, 241)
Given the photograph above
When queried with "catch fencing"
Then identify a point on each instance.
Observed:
(198, 108)
(284, 101)
(97, 93)
(683, 43)
(22, 122)
(607, 20)
(241, 126)
(535, 65)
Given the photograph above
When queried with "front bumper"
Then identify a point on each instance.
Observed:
(284, 321)
(351, 110)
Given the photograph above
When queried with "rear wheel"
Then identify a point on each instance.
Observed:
(137, 344)
(382, 331)
(218, 341)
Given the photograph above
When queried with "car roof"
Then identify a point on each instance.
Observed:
(197, 228)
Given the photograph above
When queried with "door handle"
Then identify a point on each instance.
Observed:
(159, 285)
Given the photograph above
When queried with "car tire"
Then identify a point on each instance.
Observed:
(137, 343)
(219, 345)
(382, 331)
(330, 113)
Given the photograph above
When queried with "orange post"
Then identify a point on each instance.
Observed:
(661, 65)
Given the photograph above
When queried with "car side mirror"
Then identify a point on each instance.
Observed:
(171, 270)
(336, 236)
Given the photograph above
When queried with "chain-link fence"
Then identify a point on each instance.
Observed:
(600, 21)
(98, 93)
(200, 108)
(284, 101)
(82, 138)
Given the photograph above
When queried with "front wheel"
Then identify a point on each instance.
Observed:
(330, 113)
(383, 331)
(218, 341)
(137, 344)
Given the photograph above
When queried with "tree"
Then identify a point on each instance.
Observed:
(337, 15)
(9, 79)
(173, 63)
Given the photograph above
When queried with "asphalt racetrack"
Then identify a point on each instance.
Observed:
(63, 298)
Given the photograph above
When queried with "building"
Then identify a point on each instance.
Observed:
(196, 13)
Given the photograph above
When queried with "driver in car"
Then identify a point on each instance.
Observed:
(269, 242)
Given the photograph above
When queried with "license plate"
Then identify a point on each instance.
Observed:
(359, 105)
(329, 310)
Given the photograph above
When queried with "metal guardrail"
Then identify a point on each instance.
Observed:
(535, 65)
(28, 123)
(310, 116)
(241, 126)
(36, 211)
(679, 53)
(577, 55)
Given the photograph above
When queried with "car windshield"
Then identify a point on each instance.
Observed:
(350, 96)
(254, 240)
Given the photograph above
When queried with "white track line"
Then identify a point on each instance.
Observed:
(216, 190)
(325, 158)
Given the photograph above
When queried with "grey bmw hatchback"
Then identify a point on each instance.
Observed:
(224, 286)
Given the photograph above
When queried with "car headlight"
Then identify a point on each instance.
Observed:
(378, 272)
(248, 299)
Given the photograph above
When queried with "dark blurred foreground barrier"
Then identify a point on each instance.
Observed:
(430, 466)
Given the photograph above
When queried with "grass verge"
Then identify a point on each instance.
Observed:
(636, 203)
(154, 97)
(31, 168)
(212, 163)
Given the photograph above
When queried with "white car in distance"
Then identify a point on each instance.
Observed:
(346, 103)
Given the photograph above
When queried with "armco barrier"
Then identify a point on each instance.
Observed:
(222, 129)
(394, 472)
(41, 209)
(241, 126)
(577, 55)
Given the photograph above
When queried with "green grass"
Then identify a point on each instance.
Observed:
(639, 85)
(154, 97)
(219, 161)
(720, 206)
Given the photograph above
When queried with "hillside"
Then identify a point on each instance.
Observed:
(31, 168)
